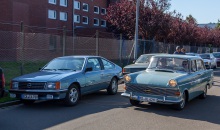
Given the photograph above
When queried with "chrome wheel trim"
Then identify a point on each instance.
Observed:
(182, 104)
(73, 95)
(114, 85)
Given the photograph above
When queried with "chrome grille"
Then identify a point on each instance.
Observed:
(150, 90)
(31, 85)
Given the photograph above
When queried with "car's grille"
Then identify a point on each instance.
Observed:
(31, 85)
(151, 90)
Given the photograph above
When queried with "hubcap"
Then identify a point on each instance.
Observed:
(183, 100)
(73, 95)
(114, 85)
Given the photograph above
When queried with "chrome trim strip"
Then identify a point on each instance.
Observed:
(40, 91)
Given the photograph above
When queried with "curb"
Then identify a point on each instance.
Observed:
(6, 104)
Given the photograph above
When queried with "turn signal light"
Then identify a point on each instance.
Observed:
(57, 85)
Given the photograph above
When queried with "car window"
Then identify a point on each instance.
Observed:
(200, 65)
(144, 59)
(107, 65)
(94, 64)
(216, 55)
(193, 66)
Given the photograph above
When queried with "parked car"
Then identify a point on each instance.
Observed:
(217, 56)
(67, 78)
(192, 54)
(169, 79)
(2, 83)
(209, 60)
(140, 64)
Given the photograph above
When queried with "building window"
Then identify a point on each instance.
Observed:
(77, 5)
(96, 9)
(63, 16)
(103, 23)
(85, 20)
(52, 1)
(103, 11)
(76, 18)
(52, 14)
(85, 7)
(63, 3)
(96, 22)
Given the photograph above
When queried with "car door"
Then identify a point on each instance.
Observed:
(200, 77)
(107, 72)
(195, 76)
(93, 77)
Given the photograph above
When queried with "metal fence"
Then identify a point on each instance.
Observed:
(22, 52)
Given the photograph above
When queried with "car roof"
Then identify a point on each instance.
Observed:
(178, 56)
(78, 56)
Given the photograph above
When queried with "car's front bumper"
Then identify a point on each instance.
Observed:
(160, 99)
(41, 94)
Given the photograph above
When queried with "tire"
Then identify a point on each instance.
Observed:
(2, 92)
(134, 102)
(27, 102)
(72, 96)
(204, 94)
(113, 86)
(182, 104)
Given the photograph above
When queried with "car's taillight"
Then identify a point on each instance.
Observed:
(3, 80)
(123, 70)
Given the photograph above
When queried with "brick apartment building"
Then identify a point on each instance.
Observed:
(54, 14)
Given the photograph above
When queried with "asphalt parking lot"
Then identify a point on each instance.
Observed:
(112, 112)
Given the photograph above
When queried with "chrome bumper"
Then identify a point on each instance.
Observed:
(160, 101)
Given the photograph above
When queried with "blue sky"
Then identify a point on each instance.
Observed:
(204, 11)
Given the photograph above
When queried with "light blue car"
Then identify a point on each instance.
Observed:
(169, 79)
(67, 78)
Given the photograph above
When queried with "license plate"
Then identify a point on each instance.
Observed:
(147, 99)
(12, 95)
(29, 96)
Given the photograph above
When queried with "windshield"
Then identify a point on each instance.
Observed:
(205, 56)
(169, 64)
(74, 64)
(144, 59)
(216, 55)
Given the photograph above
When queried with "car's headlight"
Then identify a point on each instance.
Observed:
(127, 78)
(53, 85)
(14, 85)
(172, 83)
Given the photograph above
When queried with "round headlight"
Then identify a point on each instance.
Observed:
(127, 78)
(172, 83)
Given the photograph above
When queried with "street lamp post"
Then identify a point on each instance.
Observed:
(136, 29)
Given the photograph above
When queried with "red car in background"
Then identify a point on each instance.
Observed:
(2, 83)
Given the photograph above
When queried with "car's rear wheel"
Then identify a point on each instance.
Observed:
(182, 104)
(27, 102)
(204, 94)
(72, 95)
(113, 86)
(134, 102)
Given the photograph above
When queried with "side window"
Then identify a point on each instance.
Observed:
(107, 65)
(94, 64)
(200, 65)
(193, 66)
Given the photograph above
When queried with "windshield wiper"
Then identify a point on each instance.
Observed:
(66, 69)
(165, 70)
(49, 69)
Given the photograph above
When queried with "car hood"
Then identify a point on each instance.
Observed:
(157, 78)
(141, 65)
(44, 76)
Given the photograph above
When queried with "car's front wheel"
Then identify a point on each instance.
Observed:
(113, 86)
(72, 95)
(134, 102)
(27, 102)
(182, 104)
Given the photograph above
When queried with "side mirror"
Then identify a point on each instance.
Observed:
(88, 69)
